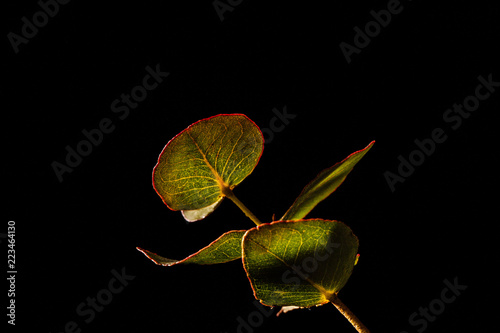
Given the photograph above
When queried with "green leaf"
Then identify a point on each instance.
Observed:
(323, 185)
(201, 164)
(299, 263)
(224, 249)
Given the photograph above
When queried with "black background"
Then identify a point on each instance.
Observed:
(70, 235)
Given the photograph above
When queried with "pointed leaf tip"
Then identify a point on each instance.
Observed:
(325, 183)
(224, 249)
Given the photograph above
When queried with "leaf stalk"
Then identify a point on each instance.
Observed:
(347, 313)
(229, 193)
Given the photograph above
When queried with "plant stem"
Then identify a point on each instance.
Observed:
(358, 325)
(228, 193)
